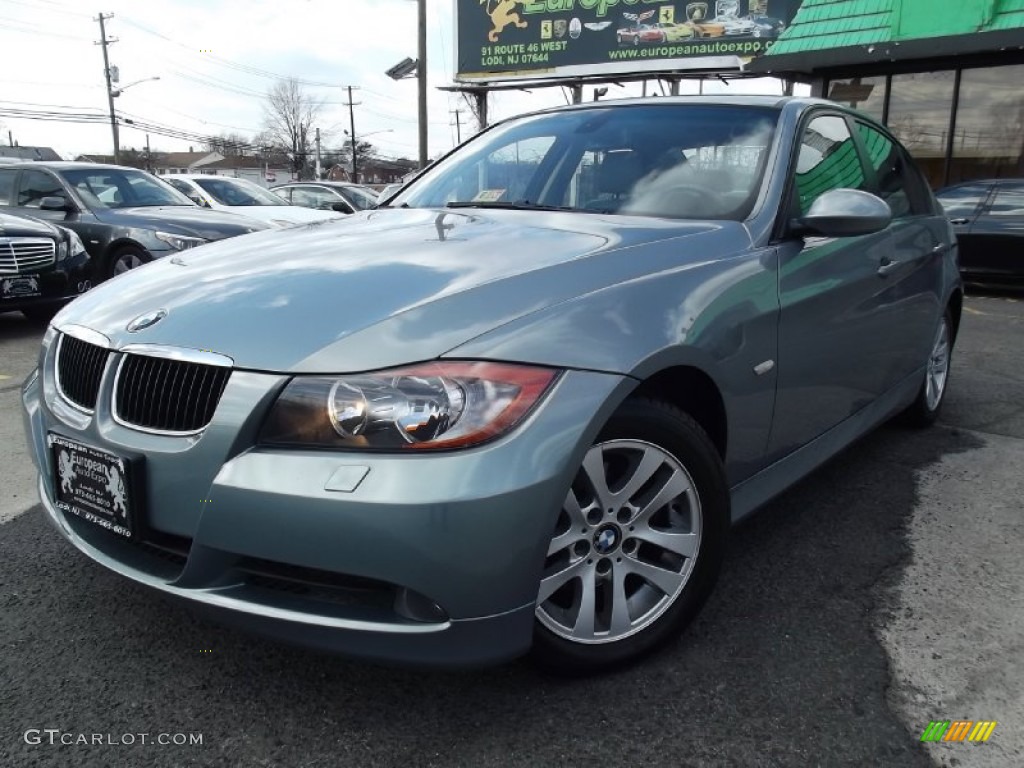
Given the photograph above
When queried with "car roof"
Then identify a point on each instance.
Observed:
(70, 165)
(321, 183)
(195, 176)
(724, 100)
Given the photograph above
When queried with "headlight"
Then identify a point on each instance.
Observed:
(428, 406)
(75, 244)
(179, 242)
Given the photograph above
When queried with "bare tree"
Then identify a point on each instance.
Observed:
(289, 115)
(230, 144)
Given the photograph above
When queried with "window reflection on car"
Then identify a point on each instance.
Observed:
(110, 188)
(238, 192)
(655, 161)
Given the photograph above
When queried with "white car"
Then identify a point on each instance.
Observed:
(245, 197)
(737, 26)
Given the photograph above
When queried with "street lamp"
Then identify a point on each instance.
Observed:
(118, 91)
(113, 93)
(417, 68)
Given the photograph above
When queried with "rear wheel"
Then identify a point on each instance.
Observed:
(925, 409)
(126, 258)
(638, 543)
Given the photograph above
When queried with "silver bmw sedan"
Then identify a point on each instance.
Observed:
(518, 407)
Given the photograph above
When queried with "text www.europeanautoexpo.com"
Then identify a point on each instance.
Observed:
(741, 48)
(57, 737)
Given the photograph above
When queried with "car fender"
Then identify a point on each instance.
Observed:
(720, 318)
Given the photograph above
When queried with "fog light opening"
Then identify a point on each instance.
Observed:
(415, 607)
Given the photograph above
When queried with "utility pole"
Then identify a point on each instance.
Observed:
(458, 126)
(318, 153)
(421, 77)
(352, 125)
(104, 41)
(149, 156)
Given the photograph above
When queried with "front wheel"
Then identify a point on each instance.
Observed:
(925, 409)
(125, 259)
(638, 544)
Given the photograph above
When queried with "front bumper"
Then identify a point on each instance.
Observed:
(57, 285)
(426, 559)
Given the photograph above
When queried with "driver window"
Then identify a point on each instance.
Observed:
(35, 185)
(828, 160)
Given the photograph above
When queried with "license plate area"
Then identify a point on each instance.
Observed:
(19, 287)
(96, 485)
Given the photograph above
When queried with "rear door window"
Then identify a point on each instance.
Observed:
(7, 185)
(1009, 201)
(963, 201)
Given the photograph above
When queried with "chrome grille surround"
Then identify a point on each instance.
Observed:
(78, 369)
(20, 255)
(168, 390)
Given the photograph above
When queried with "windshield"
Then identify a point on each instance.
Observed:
(238, 192)
(115, 188)
(361, 198)
(667, 160)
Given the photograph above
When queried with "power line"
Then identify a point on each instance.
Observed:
(246, 68)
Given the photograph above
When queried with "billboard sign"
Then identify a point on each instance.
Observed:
(515, 39)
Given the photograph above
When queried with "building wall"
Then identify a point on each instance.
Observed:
(959, 124)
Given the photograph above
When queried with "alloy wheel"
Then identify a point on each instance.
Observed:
(938, 367)
(625, 546)
(126, 261)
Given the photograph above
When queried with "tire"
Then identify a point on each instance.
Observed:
(647, 451)
(925, 409)
(126, 258)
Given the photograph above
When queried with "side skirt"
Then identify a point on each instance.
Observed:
(773, 480)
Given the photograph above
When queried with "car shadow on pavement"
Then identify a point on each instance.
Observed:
(782, 667)
(14, 327)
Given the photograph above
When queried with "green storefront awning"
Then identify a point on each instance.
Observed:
(826, 34)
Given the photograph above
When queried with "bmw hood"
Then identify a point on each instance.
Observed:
(284, 215)
(382, 288)
(182, 220)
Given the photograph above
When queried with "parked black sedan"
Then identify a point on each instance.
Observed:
(125, 217)
(988, 218)
(42, 267)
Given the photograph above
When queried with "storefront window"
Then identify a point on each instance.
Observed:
(866, 94)
(919, 111)
(988, 141)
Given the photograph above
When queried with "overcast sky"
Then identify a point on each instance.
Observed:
(205, 53)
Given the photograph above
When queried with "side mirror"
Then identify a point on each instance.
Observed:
(342, 207)
(844, 213)
(55, 203)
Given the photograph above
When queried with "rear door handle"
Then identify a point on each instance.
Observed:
(959, 221)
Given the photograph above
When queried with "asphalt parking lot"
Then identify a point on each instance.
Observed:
(879, 594)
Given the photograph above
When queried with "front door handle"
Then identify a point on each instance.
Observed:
(887, 265)
(959, 221)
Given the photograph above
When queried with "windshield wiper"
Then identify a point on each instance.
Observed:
(517, 205)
